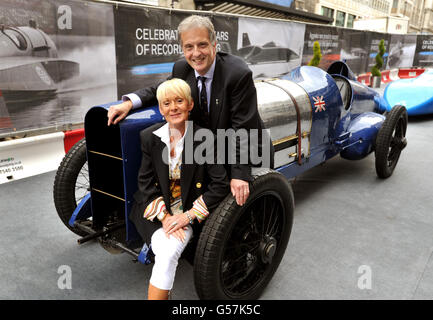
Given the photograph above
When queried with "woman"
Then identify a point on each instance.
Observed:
(172, 193)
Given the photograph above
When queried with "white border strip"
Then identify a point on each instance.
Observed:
(27, 157)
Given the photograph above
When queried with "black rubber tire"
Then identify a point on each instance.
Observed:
(73, 165)
(232, 224)
(390, 141)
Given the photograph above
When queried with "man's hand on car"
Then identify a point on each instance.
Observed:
(118, 112)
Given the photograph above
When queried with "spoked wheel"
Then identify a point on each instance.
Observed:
(240, 248)
(390, 141)
(71, 183)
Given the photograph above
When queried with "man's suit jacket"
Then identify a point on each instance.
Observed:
(209, 180)
(233, 101)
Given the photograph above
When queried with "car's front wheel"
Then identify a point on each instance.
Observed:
(390, 141)
(71, 183)
(240, 248)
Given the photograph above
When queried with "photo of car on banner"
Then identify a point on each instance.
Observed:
(312, 116)
(273, 53)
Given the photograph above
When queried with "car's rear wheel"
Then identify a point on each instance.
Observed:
(390, 141)
(240, 248)
(71, 183)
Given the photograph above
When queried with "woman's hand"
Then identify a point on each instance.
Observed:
(175, 225)
(240, 190)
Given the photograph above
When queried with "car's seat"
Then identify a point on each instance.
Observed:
(345, 90)
(341, 68)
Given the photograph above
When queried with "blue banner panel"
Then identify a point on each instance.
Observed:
(283, 3)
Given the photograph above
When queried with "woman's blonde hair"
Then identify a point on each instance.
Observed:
(175, 86)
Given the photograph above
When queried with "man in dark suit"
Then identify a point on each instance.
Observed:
(222, 88)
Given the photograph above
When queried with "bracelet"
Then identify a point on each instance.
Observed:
(162, 215)
(189, 217)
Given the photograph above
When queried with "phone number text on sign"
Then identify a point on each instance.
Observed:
(10, 165)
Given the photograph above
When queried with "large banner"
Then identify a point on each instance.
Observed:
(424, 51)
(372, 45)
(270, 48)
(57, 58)
(330, 45)
(147, 44)
(353, 49)
(401, 51)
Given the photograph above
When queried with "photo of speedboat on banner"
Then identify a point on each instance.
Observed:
(29, 63)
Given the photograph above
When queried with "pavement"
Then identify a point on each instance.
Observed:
(354, 237)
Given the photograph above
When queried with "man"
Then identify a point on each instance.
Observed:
(225, 98)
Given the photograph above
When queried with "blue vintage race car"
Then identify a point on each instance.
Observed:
(416, 94)
(312, 116)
